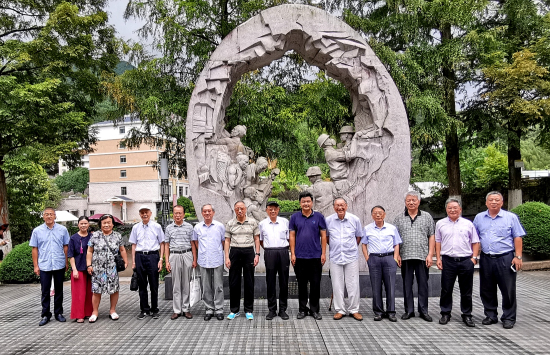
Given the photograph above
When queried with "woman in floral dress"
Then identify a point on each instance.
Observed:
(102, 248)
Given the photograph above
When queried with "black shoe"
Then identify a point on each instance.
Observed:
(283, 315)
(219, 316)
(317, 316)
(44, 321)
(392, 317)
(300, 315)
(155, 315)
(378, 317)
(142, 315)
(271, 315)
(208, 316)
(406, 315)
(445, 318)
(468, 321)
(426, 317)
(507, 324)
(60, 318)
(489, 321)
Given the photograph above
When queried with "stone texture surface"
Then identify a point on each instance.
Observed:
(330, 44)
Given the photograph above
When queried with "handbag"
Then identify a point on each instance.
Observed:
(134, 282)
(195, 294)
(119, 263)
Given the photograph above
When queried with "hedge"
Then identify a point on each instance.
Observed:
(17, 266)
(286, 205)
(535, 218)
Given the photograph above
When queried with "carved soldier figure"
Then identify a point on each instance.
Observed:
(324, 192)
(338, 161)
(233, 143)
(346, 135)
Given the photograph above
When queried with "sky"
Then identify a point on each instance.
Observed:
(125, 28)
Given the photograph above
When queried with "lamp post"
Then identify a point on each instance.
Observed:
(164, 190)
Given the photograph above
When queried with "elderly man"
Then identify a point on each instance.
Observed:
(308, 243)
(457, 247)
(147, 239)
(50, 244)
(242, 236)
(416, 229)
(181, 258)
(274, 240)
(209, 238)
(344, 233)
(500, 233)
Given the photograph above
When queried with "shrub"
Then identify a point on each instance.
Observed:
(187, 205)
(17, 266)
(535, 217)
(287, 206)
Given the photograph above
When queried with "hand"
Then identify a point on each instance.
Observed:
(256, 260)
(227, 263)
(194, 264)
(398, 260)
(66, 266)
(168, 266)
(133, 265)
(90, 270)
(323, 259)
(37, 270)
(75, 274)
(518, 263)
(439, 264)
(473, 260)
(429, 260)
(293, 260)
(125, 264)
(366, 257)
(160, 265)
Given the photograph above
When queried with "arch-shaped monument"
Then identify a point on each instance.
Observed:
(377, 164)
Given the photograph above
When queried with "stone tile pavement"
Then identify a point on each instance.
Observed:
(20, 334)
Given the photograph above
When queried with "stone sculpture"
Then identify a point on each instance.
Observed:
(324, 192)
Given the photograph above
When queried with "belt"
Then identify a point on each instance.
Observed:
(147, 252)
(381, 254)
(280, 248)
(462, 258)
(180, 251)
(495, 256)
(232, 247)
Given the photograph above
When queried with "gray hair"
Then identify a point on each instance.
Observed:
(203, 206)
(494, 193)
(413, 193)
(452, 199)
(339, 198)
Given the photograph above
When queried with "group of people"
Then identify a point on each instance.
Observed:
(494, 240)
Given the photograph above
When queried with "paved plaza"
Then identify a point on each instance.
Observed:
(20, 314)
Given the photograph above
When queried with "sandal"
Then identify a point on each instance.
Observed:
(80, 320)
(93, 318)
(113, 316)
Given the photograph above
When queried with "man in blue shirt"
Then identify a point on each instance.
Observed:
(308, 243)
(500, 233)
(49, 243)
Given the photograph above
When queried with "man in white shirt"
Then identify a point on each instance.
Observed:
(274, 240)
(147, 239)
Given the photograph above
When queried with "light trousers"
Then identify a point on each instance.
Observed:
(212, 289)
(345, 276)
(182, 265)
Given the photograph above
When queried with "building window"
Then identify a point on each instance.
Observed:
(180, 191)
(122, 130)
(121, 145)
(123, 190)
(123, 173)
(186, 191)
(123, 159)
(92, 212)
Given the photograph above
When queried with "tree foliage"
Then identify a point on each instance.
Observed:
(73, 180)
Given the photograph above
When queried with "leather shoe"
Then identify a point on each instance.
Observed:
(270, 315)
(507, 324)
(378, 317)
(338, 316)
(60, 318)
(44, 321)
(489, 321)
(406, 315)
(300, 315)
(317, 316)
(283, 315)
(174, 316)
(357, 316)
(208, 316)
(219, 316)
(392, 317)
(426, 317)
(188, 315)
(445, 318)
(468, 321)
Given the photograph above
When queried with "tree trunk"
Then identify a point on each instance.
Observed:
(4, 215)
(515, 197)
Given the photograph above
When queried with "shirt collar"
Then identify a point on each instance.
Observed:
(311, 215)
(276, 220)
(48, 228)
(450, 220)
(375, 226)
(338, 218)
(407, 212)
(499, 214)
(243, 222)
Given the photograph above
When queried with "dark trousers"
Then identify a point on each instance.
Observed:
(382, 269)
(277, 261)
(464, 270)
(308, 270)
(495, 272)
(242, 262)
(410, 268)
(46, 283)
(148, 274)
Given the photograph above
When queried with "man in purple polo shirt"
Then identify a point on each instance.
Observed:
(308, 243)
(456, 247)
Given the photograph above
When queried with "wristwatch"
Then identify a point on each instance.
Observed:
(258, 254)
(475, 258)
(519, 257)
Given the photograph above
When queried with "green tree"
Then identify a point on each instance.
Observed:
(534, 155)
(493, 174)
(73, 180)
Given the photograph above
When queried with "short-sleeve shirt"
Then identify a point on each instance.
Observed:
(179, 237)
(342, 235)
(415, 234)
(381, 240)
(78, 247)
(147, 237)
(210, 238)
(50, 242)
(308, 234)
(242, 234)
(274, 234)
(457, 237)
(497, 234)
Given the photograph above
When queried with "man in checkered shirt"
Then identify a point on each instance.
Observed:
(417, 231)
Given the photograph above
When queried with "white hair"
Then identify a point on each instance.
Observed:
(413, 193)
